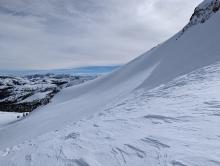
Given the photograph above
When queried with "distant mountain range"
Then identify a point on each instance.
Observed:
(88, 70)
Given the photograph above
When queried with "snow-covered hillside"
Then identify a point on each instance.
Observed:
(131, 120)
(176, 124)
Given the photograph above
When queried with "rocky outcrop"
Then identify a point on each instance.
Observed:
(202, 13)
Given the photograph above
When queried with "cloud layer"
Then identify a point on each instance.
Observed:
(48, 34)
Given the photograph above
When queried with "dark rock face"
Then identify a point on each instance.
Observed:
(24, 94)
(202, 13)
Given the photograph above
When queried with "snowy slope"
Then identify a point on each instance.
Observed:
(176, 124)
(8, 117)
(196, 48)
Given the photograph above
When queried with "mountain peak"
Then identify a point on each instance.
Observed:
(202, 13)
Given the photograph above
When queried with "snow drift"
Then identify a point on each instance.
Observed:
(188, 50)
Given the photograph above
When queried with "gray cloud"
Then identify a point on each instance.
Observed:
(44, 34)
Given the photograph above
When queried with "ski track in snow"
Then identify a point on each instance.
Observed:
(176, 124)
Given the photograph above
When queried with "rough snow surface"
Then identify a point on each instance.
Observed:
(176, 124)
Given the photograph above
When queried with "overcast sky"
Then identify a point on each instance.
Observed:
(49, 34)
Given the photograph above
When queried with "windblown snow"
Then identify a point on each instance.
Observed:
(160, 109)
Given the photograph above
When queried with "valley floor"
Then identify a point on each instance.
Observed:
(176, 124)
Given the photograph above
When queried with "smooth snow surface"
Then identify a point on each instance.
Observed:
(9, 117)
(176, 124)
(180, 121)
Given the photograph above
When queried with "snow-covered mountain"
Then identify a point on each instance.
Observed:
(174, 124)
(24, 94)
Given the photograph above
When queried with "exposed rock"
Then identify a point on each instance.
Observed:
(202, 13)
